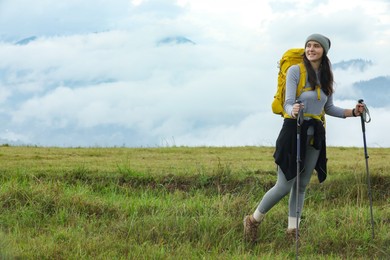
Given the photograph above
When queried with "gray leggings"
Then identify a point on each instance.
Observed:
(283, 187)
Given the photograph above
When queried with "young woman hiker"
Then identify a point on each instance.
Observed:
(316, 97)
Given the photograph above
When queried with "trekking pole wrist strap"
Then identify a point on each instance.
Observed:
(353, 112)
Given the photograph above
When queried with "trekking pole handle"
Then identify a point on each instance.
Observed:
(300, 113)
(365, 116)
(360, 101)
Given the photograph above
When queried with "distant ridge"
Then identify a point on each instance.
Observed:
(357, 64)
(26, 41)
(376, 91)
(175, 40)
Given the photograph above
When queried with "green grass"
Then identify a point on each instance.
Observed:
(182, 203)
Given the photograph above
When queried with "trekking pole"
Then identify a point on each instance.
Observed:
(366, 118)
(299, 122)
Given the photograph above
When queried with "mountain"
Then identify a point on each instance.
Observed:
(356, 64)
(376, 91)
(175, 40)
(26, 41)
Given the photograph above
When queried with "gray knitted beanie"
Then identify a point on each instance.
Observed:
(321, 39)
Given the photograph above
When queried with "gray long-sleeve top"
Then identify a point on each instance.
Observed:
(309, 98)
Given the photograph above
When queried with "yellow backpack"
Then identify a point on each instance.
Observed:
(290, 57)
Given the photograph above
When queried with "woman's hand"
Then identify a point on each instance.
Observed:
(358, 110)
(295, 109)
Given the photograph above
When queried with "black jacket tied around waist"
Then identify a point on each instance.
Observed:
(285, 154)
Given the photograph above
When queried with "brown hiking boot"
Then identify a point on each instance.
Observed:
(250, 229)
(292, 235)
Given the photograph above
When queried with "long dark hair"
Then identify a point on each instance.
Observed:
(326, 74)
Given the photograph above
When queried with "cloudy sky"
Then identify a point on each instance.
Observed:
(151, 73)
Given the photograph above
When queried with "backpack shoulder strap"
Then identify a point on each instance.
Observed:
(302, 82)
(302, 79)
(300, 89)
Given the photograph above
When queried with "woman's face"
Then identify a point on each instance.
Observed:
(314, 51)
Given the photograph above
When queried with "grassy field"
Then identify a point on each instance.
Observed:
(182, 203)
